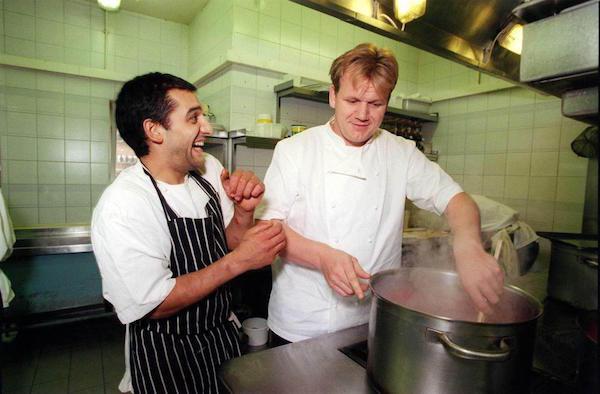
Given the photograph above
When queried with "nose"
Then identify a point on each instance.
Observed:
(205, 127)
(362, 112)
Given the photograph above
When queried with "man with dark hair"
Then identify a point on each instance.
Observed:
(162, 233)
(340, 190)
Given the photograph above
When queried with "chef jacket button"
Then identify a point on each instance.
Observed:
(376, 208)
(370, 241)
(332, 205)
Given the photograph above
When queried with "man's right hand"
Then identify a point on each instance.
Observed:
(342, 272)
(259, 245)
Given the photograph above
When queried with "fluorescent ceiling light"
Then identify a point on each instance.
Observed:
(513, 40)
(109, 5)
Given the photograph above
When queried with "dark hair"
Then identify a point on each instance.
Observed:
(366, 60)
(145, 97)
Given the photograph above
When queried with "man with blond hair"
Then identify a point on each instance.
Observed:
(340, 188)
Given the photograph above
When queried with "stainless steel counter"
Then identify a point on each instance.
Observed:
(311, 366)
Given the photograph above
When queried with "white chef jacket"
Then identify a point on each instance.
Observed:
(131, 240)
(351, 198)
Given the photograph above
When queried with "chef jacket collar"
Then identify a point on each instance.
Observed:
(344, 159)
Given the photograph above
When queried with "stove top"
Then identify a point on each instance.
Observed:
(557, 351)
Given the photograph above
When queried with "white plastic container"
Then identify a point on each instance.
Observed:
(257, 330)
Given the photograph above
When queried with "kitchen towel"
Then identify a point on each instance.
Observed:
(7, 233)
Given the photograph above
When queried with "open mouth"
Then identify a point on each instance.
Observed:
(198, 144)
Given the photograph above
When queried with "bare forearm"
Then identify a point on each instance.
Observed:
(464, 221)
(192, 287)
(302, 250)
(241, 222)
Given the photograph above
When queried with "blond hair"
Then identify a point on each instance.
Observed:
(367, 61)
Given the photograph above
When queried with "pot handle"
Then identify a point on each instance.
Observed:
(459, 351)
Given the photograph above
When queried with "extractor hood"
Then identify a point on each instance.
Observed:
(469, 31)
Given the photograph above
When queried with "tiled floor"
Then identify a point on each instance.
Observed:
(84, 357)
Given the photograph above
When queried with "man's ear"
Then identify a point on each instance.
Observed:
(332, 96)
(154, 131)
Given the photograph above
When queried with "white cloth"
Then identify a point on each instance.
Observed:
(5, 290)
(130, 236)
(7, 233)
(351, 199)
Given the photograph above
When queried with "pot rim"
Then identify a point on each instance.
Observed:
(529, 297)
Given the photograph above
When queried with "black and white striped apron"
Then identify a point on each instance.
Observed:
(181, 353)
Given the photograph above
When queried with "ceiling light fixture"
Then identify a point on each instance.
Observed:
(109, 5)
(408, 10)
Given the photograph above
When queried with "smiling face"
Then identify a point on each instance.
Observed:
(359, 109)
(181, 146)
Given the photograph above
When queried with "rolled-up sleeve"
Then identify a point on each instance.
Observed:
(280, 185)
(135, 271)
(429, 187)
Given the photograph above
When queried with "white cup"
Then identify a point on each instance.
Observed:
(257, 330)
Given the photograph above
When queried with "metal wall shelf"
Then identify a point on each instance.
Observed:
(287, 89)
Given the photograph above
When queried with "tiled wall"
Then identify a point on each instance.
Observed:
(55, 127)
(442, 79)
(513, 146)
(55, 143)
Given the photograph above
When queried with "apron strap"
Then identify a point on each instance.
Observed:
(169, 213)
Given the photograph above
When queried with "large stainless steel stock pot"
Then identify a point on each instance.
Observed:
(424, 336)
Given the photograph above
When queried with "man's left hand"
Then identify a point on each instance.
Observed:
(243, 188)
(480, 275)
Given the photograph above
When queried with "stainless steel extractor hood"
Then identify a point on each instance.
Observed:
(468, 32)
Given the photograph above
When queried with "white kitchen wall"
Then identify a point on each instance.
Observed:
(441, 79)
(62, 62)
(513, 146)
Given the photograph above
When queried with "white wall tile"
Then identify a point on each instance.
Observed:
(52, 195)
(50, 82)
(51, 126)
(77, 13)
(546, 139)
(52, 216)
(520, 140)
(544, 164)
(19, 26)
(77, 173)
(473, 164)
(50, 9)
(570, 189)
(19, 47)
(50, 173)
(518, 163)
(77, 151)
(77, 128)
(542, 188)
(494, 164)
(48, 52)
(20, 78)
(493, 186)
(50, 149)
(516, 187)
(496, 141)
(21, 148)
(21, 124)
(569, 164)
(50, 32)
(22, 172)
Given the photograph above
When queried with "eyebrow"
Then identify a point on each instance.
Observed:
(193, 109)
